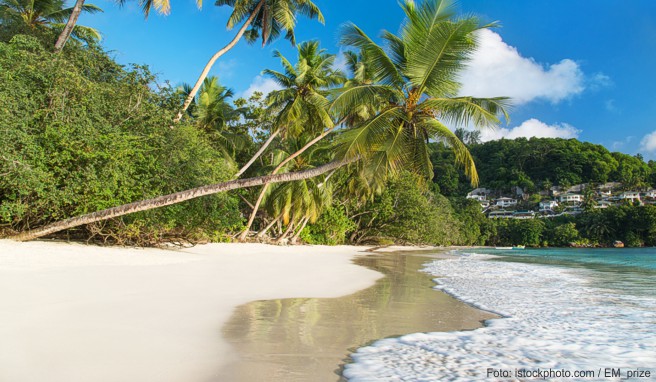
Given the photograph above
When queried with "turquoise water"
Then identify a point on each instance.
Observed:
(574, 310)
(627, 270)
(615, 259)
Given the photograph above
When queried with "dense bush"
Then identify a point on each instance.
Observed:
(406, 212)
(79, 133)
(330, 229)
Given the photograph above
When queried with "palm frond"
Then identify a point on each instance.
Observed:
(383, 67)
(463, 111)
(437, 131)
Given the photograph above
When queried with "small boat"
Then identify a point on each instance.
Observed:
(503, 247)
(519, 247)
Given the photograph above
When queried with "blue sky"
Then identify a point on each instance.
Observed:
(575, 68)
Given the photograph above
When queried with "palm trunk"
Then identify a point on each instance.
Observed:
(178, 197)
(298, 233)
(215, 57)
(68, 28)
(251, 218)
(257, 154)
(284, 235)
(268, 227)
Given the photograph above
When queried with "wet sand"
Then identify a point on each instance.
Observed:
(309, 339)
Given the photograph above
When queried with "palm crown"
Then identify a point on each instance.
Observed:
(302, 104)
(273, 18)
(46, 14)
(416, 74)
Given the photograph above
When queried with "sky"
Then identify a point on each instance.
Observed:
(573, 68)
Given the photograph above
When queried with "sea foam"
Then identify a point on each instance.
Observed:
(553, 318)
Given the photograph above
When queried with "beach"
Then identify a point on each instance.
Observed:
(72, 312)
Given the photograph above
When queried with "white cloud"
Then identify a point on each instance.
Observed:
(620, 145)
(532, 128)
(340, 61)
(261, 84)
(648, 143)
(498, 69)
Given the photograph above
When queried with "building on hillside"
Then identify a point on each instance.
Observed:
(605, 192)
(571, 198)
(630, 196)
(478, 197)
(505, 202)
(604, 204)
(650, 194)
(524, 215)
(548, 205)
(500, 214)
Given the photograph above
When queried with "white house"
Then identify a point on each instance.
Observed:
(500, 214)
(605, 193)
(506, 202)
(603, 204)
(571, 198)
(546, 205)
(651, 194)
(480, 198)
(630, 196)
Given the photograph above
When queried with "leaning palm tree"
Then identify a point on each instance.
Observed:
(416, 72)
(46, 14)
(162, 6)
(302, 102)
(418, 77)
(300, 202)
(265, 19)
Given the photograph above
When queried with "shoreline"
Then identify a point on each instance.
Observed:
(73, 312)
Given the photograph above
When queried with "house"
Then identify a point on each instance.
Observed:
(500, 214)
(524, 215)
(480, 198)
(603, 204)
(506, 202)
(548, 205)
(630, 196)
(650, 194)
(571, 198)
(604, 193)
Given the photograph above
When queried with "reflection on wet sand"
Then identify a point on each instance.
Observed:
(307, 339)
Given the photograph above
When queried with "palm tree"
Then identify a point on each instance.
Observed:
(50, 14)
(302, 102)
(300, 202)
(162, 7)
(265, 19)
(417, 73)
(212, 108)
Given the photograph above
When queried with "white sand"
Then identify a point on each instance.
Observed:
(72, 312)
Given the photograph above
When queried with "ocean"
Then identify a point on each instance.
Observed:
(567, 314)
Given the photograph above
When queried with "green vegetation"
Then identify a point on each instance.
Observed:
(539, 163)
(79, 133)
(361, 157)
